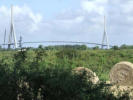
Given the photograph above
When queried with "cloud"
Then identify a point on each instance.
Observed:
(25, 15)
(83, 24)
(26, 22)
(97, 6)
(119, 18)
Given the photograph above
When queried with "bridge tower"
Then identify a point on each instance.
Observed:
(20, 42)
(105, 37)
(4, 38)
(12, 35)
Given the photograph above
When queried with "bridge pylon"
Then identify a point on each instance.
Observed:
(12, 35)
(105, 37)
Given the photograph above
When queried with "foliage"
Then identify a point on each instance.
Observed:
(126, 46)
(59, 47)
(115, 47)
(96, 48)
(40, 74)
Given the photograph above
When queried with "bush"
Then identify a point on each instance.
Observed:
(40, 74)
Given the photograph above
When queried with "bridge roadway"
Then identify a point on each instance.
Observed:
(69, 42)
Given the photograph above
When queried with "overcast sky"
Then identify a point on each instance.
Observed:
(69, 20)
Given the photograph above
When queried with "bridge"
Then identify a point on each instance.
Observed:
(13, 40)
(58, 42)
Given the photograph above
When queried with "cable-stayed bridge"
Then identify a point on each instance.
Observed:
(58, 43)
(12, 40)
(67, 42)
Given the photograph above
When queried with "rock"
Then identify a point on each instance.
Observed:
(122, 74)
(107, 82)
(91, 76)
(121, 91)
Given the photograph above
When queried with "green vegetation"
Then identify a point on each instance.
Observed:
(45, 74)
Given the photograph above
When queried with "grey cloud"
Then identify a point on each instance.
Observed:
(80, 24)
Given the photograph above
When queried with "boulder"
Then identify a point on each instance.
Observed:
(90, 75)
(120, 92)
